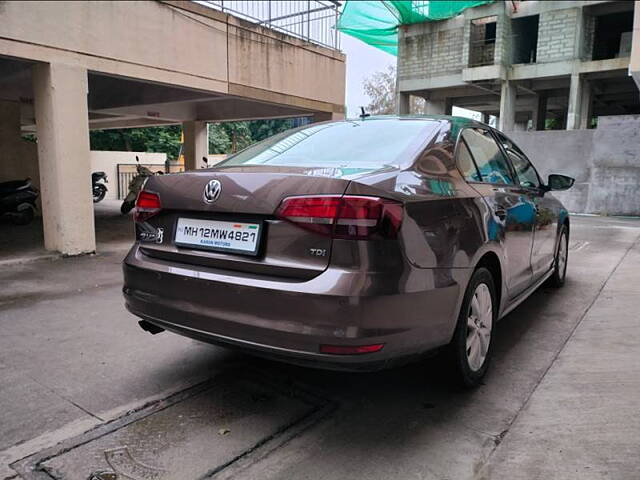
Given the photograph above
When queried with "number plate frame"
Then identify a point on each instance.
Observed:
(212, 223)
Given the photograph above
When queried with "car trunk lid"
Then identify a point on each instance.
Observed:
(248, 197)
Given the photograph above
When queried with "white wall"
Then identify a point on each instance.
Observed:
(104, 161)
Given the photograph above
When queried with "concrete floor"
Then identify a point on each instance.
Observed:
(560, 400)
(21, 243)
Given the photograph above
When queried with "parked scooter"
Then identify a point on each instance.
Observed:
(98, 180)
(135, 185)
(18, 201)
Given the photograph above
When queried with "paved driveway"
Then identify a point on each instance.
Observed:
(559, 402)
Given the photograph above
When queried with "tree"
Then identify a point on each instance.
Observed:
(228, 137)
(148, 139)
(381, 90)
(219, 141)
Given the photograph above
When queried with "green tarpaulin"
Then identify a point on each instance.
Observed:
(376, 22)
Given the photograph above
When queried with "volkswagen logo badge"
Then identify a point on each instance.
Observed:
(212, 191)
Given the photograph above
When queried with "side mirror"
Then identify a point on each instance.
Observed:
(206, 161)
(559, 182)
(137, 159)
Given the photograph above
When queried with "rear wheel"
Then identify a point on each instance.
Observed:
(99, 191)
(471, 347)
(24, 217)
(559, 274)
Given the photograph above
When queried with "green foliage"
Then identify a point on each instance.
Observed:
(231, 137)
(227, 137)
(149, 139)
(552, 124)
(219, 141)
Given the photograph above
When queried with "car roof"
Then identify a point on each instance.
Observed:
(452, 119)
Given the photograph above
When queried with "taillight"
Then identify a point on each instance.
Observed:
(147, 205)
(350, 216)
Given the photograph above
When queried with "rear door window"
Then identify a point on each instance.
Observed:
(491, 164)
(526, 173)
(466, 164)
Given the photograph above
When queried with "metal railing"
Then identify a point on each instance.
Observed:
(311, 20)
(126, 172)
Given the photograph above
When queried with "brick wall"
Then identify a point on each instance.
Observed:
(425, 51)
(557, 35)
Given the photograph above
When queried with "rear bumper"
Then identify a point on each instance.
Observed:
(289, 320)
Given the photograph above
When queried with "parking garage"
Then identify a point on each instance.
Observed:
(129, 68)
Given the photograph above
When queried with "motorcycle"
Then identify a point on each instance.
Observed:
(18, 201)
(135, 185)
(98, 180)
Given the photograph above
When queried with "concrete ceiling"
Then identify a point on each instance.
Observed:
(118, 102)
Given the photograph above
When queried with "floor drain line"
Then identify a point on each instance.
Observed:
(31, 467)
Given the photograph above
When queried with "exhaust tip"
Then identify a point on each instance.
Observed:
(150, 327)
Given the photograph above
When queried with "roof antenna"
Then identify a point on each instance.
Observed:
(364, 115)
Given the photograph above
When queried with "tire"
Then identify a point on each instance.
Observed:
(561, 259)
(99, 191)
(126, 207)
(23, 218)
(474, 331)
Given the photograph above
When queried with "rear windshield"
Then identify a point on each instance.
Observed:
(366, 144)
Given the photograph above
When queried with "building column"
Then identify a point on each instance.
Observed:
(574, 113)
(62, 121)
(507, 118)
(196, 144)
(540, 112)
(586, 104)
(404, 103)
(18, 157)
(448, 106)
(436, 107)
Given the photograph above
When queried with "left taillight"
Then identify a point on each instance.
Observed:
(351, 217)
(147, 205)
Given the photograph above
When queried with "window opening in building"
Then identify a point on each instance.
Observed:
(525, 39)
(483, 41)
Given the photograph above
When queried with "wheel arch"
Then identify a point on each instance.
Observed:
(491, 262)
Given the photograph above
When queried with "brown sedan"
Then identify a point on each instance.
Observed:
(350, 245)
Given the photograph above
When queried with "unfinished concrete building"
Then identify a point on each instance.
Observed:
(539, 66)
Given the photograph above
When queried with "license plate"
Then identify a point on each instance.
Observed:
(232, 237)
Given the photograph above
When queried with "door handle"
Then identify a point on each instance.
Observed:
(501, 213)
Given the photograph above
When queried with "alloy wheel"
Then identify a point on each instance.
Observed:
(562, 257)
(479, 323)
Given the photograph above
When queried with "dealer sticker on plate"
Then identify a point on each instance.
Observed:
(232, 237)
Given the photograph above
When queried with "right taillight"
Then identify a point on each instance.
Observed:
(350, 216)
(147, 205)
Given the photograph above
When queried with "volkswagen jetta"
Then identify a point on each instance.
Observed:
(351, 244)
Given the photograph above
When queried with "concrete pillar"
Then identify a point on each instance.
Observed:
(196, 144)
(436, 107)
(540, 112)
(448, 106)
(18, 157)
(62, 121)
(586, 104)
(575, 102)
(507, 106)
(404, 103)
